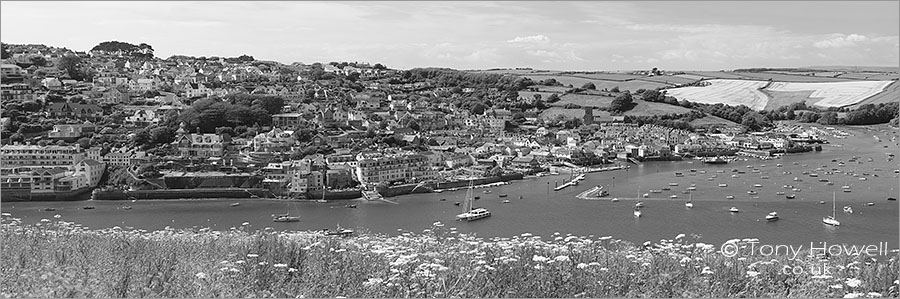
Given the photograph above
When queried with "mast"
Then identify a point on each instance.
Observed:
(833, 203)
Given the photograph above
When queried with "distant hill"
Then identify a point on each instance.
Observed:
(880, 69)
(124, 49)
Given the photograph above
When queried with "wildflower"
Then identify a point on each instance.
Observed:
(263, 263)
(292, 270)
(239, 262)
(538, 267)
(873, 295)
(605, 238)
(234, 270)
(706, 271)
(604, 269)
(752, 273)
(837, 286)
(582, 266)
(280, 265)
(45, 220)
(57, 216)
(224, 262)
(853, 295)
(562, 258)
(679, 236)
(539, 259)
(245, 224)
(201, 275)
(853, 282)
(252, 255)
(340, 250)
(372, 282)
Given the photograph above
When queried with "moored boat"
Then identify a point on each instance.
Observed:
(773, 216)
(734, 210)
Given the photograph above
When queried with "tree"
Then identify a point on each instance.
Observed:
(553, 98)
(828, 118)
(589, 85)
(614, 89)
(477, 109)
(72, 66)
(38, 60)
(755, 121)
(4, 54)
(621, 103)
(84, 142)
(650, 95)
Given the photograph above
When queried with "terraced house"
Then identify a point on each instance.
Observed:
(377, 168)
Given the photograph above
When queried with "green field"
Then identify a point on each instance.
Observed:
(631, 85)
(789, 78)
(644, 108)
(783, 98)
(715, 75)
(669, 80)
(584, 100)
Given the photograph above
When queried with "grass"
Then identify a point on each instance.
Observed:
(61, 259)
(790, 78)
(711, 120)
(834, 94)
(581, 79)
(584, 100)
(782, 98)
(644, 108)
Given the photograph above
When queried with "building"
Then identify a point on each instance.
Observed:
(274, 141)
(306, 177)
(202, 145)
(10, 71)
(76, 111)
(123, 157)
(288, 121)
(379, 168)
(143, 117)
(33, 155)
(71, 132)
(91, 170)
(18, 92)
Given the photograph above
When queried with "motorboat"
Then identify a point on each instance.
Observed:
(848, 210)
(639, 204)
(350, 206)
(773, 216)
(734, 210)
(689, 205)
(235, 204)
(730, 197)
(615, 199)
(286, 218)
(790, 196)
(751, 192)
(757, 185)
(503, 195)
(48, 209)
(723, 185)
(637, 213)
(341, 232)
(505, 201)
(673, 184)
(673, 196)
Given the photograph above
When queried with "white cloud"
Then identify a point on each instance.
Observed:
(841, 41)
(540, 38)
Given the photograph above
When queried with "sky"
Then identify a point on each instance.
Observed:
(554, 35)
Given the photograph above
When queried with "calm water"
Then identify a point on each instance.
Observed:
(542, 211)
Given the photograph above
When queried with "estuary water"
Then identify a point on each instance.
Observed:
(535, 208)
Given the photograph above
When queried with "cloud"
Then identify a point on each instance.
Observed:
(841, 41)
(540, 38)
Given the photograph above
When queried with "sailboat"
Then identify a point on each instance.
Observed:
(637, 212)
(471, 213)
(831, 220)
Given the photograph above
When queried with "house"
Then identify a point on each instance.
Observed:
(77, 111)
(202, 145)
(288, 121)
(33, 155)
(143, 117)
(18, 92)
(194, 90)
(71, 132)
(52, 83)
(91, 170)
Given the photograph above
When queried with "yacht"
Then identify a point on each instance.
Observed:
(751, 192)
(673, 184)
(723, 185)
(848, 210)
(773, 216)
(730, 197)
(471, 213)
(673, 196)
(734, 210)
(792, 196)
(757, 185)
(285, 218)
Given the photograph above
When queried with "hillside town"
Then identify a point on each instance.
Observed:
(120, 120)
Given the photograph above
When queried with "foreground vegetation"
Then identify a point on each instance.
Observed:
(62, 259)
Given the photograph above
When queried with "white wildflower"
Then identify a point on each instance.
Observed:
(562, 258)
(280, 265)
(582, 266)
(752, 273)
(201, 275)
(853, 282)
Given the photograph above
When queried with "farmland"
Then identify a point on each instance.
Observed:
(729, 92)
(568, 113)
(789, 78)
(782, 98)
(584, 100)
(891, 93)
(711, 120)
(644, 108)
(834, 94)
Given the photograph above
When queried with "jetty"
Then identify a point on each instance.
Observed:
(594, 193)
(572, 182)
